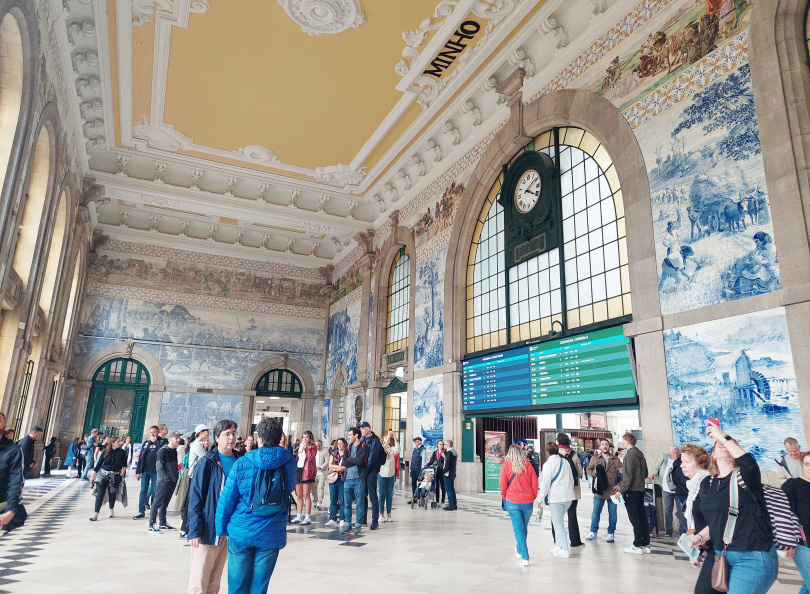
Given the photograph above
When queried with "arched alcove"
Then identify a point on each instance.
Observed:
(47, 294)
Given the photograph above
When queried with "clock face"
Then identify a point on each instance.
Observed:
(527, 192)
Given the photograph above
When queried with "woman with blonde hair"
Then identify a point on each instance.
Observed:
(695, 467)
(518, 484)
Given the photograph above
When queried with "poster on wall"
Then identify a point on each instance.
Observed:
(494, 455)
(739, 370)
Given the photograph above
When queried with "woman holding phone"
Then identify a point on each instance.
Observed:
(750, 551)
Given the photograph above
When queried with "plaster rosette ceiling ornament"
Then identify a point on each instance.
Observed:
(375, 102)
(317, 17)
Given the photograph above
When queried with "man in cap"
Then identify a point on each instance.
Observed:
(374, 448)
(417, 459)
(166, 482)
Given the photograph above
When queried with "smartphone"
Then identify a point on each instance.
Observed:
(714, 421)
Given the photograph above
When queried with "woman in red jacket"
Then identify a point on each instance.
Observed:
(518, 485)
(307, 470)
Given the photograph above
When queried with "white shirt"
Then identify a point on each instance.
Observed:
(664, 484)
(302, 457)
(562, 488)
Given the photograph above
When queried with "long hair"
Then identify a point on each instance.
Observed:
(714, 470)
(517, 458)
(110, 443)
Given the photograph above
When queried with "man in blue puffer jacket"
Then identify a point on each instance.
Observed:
(254, 541)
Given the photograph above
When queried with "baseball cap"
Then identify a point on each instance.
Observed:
(201, 427)
(417, 437)
(175, 434)
(364, 424)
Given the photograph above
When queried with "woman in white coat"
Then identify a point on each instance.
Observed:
(557, 483)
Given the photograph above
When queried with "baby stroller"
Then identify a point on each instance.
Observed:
(426, 489)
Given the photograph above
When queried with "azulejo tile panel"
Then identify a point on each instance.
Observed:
(183, 411)
(429, 311)
(344, 329)
(739, 370)
(428, 410)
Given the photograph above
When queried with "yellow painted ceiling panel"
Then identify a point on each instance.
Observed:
(244, 73)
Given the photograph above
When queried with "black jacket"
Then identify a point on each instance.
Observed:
(450, 462)
(156, 445)
(374, 447)
(361, 460)
(27, 446)
(435, 461)
(679, 478)
(11, 473)
(203, 495)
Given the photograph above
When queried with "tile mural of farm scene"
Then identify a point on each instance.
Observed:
(431, 224)
(184, 411)
(344, 330)
(739, 369)
(429, 310)
(694, 30)
(428, 410)
(158, 273)
(711, 214)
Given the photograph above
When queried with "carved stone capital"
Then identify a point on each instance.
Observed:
(393, 217)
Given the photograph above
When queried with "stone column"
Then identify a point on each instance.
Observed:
(152, 412)
(246, 420)
(651, 375)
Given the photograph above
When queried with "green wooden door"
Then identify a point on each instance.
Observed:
(138, 416)
(95, 404)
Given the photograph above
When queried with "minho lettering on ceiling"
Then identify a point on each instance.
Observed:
(451, 50)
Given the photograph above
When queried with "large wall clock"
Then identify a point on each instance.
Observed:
(529, 197)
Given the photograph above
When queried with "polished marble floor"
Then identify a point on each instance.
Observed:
(471, 550)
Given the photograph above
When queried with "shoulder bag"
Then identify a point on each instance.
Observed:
(509, 484)
(545, 499)
(720, 569)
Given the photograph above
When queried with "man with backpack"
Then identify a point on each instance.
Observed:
(252, 510)
(376, 458)
(209, 552)
(604, 469)
(576, 471)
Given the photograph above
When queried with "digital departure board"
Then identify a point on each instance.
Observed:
(577, 372)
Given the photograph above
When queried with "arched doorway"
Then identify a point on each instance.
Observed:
(118, 398)
(276, 390)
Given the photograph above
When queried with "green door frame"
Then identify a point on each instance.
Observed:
(113, 377)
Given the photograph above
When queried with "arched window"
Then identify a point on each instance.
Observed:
(48, 292)
(11, 65)
(122, 371)
(399, 301)
(119, 397)
(74, 287)
(279, 382)
(588, 285)
(34, 206)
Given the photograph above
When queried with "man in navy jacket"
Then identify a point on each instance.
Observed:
(372, 443)
(209, 552)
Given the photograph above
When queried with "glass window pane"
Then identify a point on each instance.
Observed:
(614, 283)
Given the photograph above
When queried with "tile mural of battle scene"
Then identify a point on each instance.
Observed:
(431, 224)
(696, 29)
(428, 410)
(184, 411)
(740, 370)
(711, 214)
(352, 279)
(202, 279)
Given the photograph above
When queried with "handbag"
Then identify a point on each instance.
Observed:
(332, 477)
(503, 501)
(545, 499)
(720, 569)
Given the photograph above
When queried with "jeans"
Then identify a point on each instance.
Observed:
(88, 464)
(163, 494)
(148, 480)
(109, 485)
(634, 504)
(354, 491)
(802, 561)
(336, 500)
(520, 514)
(371, 493)
(47, 471)
(414, 481)
(752, 572)
(386, 492)
(680, 506)
(669, 504)
(249, 568)
(558, 510)
(596, 514)
(450, 485)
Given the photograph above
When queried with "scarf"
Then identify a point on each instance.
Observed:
(693, 484)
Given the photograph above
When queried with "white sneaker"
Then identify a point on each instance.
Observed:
(554, 549)
(342, 523)
(609, 538)
(591, 536)
(306, 521)
(390, 519)
(331, 523)
(112, 513)
(562, 553)
(524, 562)
(647, 550)
(516, 553)
(296, 520)
(634, 550)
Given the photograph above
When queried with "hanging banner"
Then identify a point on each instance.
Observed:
(494, 454)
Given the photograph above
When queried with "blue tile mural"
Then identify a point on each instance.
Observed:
(429, 310)
(316, 417)
(740, 370)
(184, 411)
(711, 213)
(198, 346)
(326, 420)
(349, 414)
(344, 329)
(428, 409)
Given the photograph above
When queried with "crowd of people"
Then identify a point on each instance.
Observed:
(735, 521)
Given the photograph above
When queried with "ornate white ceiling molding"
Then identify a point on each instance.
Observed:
(163, 137)
(317, 17)
(341, 176)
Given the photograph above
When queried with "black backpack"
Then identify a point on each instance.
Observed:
(382, 457)
(600, 482)
(269, 492)
(570, 458)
